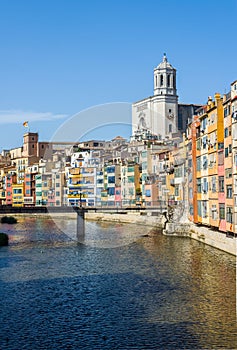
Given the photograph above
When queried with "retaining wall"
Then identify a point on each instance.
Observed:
(157, 222)
(203, 234)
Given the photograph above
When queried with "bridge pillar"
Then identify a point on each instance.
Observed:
(80, 225)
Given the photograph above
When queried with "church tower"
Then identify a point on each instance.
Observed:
(165, 98)
(158, 114)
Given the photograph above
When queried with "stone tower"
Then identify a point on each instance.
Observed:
(165, 99)
(158, 114)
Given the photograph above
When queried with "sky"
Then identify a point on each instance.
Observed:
(60, 58)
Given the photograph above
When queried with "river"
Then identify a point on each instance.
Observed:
(119, 289)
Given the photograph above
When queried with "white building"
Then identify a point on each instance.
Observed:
(158, 114)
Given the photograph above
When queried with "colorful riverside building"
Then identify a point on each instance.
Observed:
(10, 179)
(18, 194)
(81, 179)
(215, 148)
(111, 193)
(234, 148)
(212, 160)
(207, 136)
(130, 183)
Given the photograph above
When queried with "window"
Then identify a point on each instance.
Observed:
(213, 184)
(198, 163)
(131, 191)
(111, 169)
(57, 194)
(204, 142)
(27, 191)
(178, 172)
(226, 152)
(221, 184)
(226, 133)
(198, 144)
(226, 111)
(168, 80)
(17, 190)
(161, 80)
(57, 184)
(199, 186)
(57, 176)
(213, 212)
(220, 158)
(176, 190)
(229, 191)
(33, 146)
(204, 163)
(111, 191)
(205, 185)
(199, 208)
(170, 127)
(204, 209)
(111, 179)
(130, 179)
(222, 211)
(148, 193)
(229, 214)
(228, 173)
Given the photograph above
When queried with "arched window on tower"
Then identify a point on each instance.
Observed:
(168, 80)
(161, 80)
(156, 80)
(174, 82)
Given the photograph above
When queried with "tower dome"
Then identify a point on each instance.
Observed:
(164, 64)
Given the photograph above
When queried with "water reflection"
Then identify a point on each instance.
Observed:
(150, 293)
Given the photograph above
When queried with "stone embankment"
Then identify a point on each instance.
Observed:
(156, 222)
(217, 239)
(203, 234)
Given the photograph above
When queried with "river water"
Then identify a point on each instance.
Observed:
(120, 289)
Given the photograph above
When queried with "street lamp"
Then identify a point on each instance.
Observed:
(80, 198)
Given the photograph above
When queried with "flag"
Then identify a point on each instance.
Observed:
(25, 124)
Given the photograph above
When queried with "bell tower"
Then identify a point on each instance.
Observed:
(165, 78)
(165, 98)
(158, 114)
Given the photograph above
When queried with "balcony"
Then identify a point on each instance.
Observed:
(74, 171)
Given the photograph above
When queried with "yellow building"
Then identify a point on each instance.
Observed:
(215, 142)
(18, 195)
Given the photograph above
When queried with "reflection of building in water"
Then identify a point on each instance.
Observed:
(160, 114)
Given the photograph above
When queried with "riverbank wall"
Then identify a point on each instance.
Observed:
(202, 234)
(158, 222)
(214, 238)
(155, 222)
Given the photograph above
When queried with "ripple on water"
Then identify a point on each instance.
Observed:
(151, 293)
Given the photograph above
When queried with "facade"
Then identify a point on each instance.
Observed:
(234, 149)
(159, 113)
(18, 195)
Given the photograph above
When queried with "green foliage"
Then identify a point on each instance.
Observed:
(8, 220)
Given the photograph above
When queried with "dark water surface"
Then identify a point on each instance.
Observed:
(128, 292)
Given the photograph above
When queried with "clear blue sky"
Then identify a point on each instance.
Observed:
(59, 57)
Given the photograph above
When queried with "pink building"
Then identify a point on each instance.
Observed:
(118, 198)
(10, 179)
